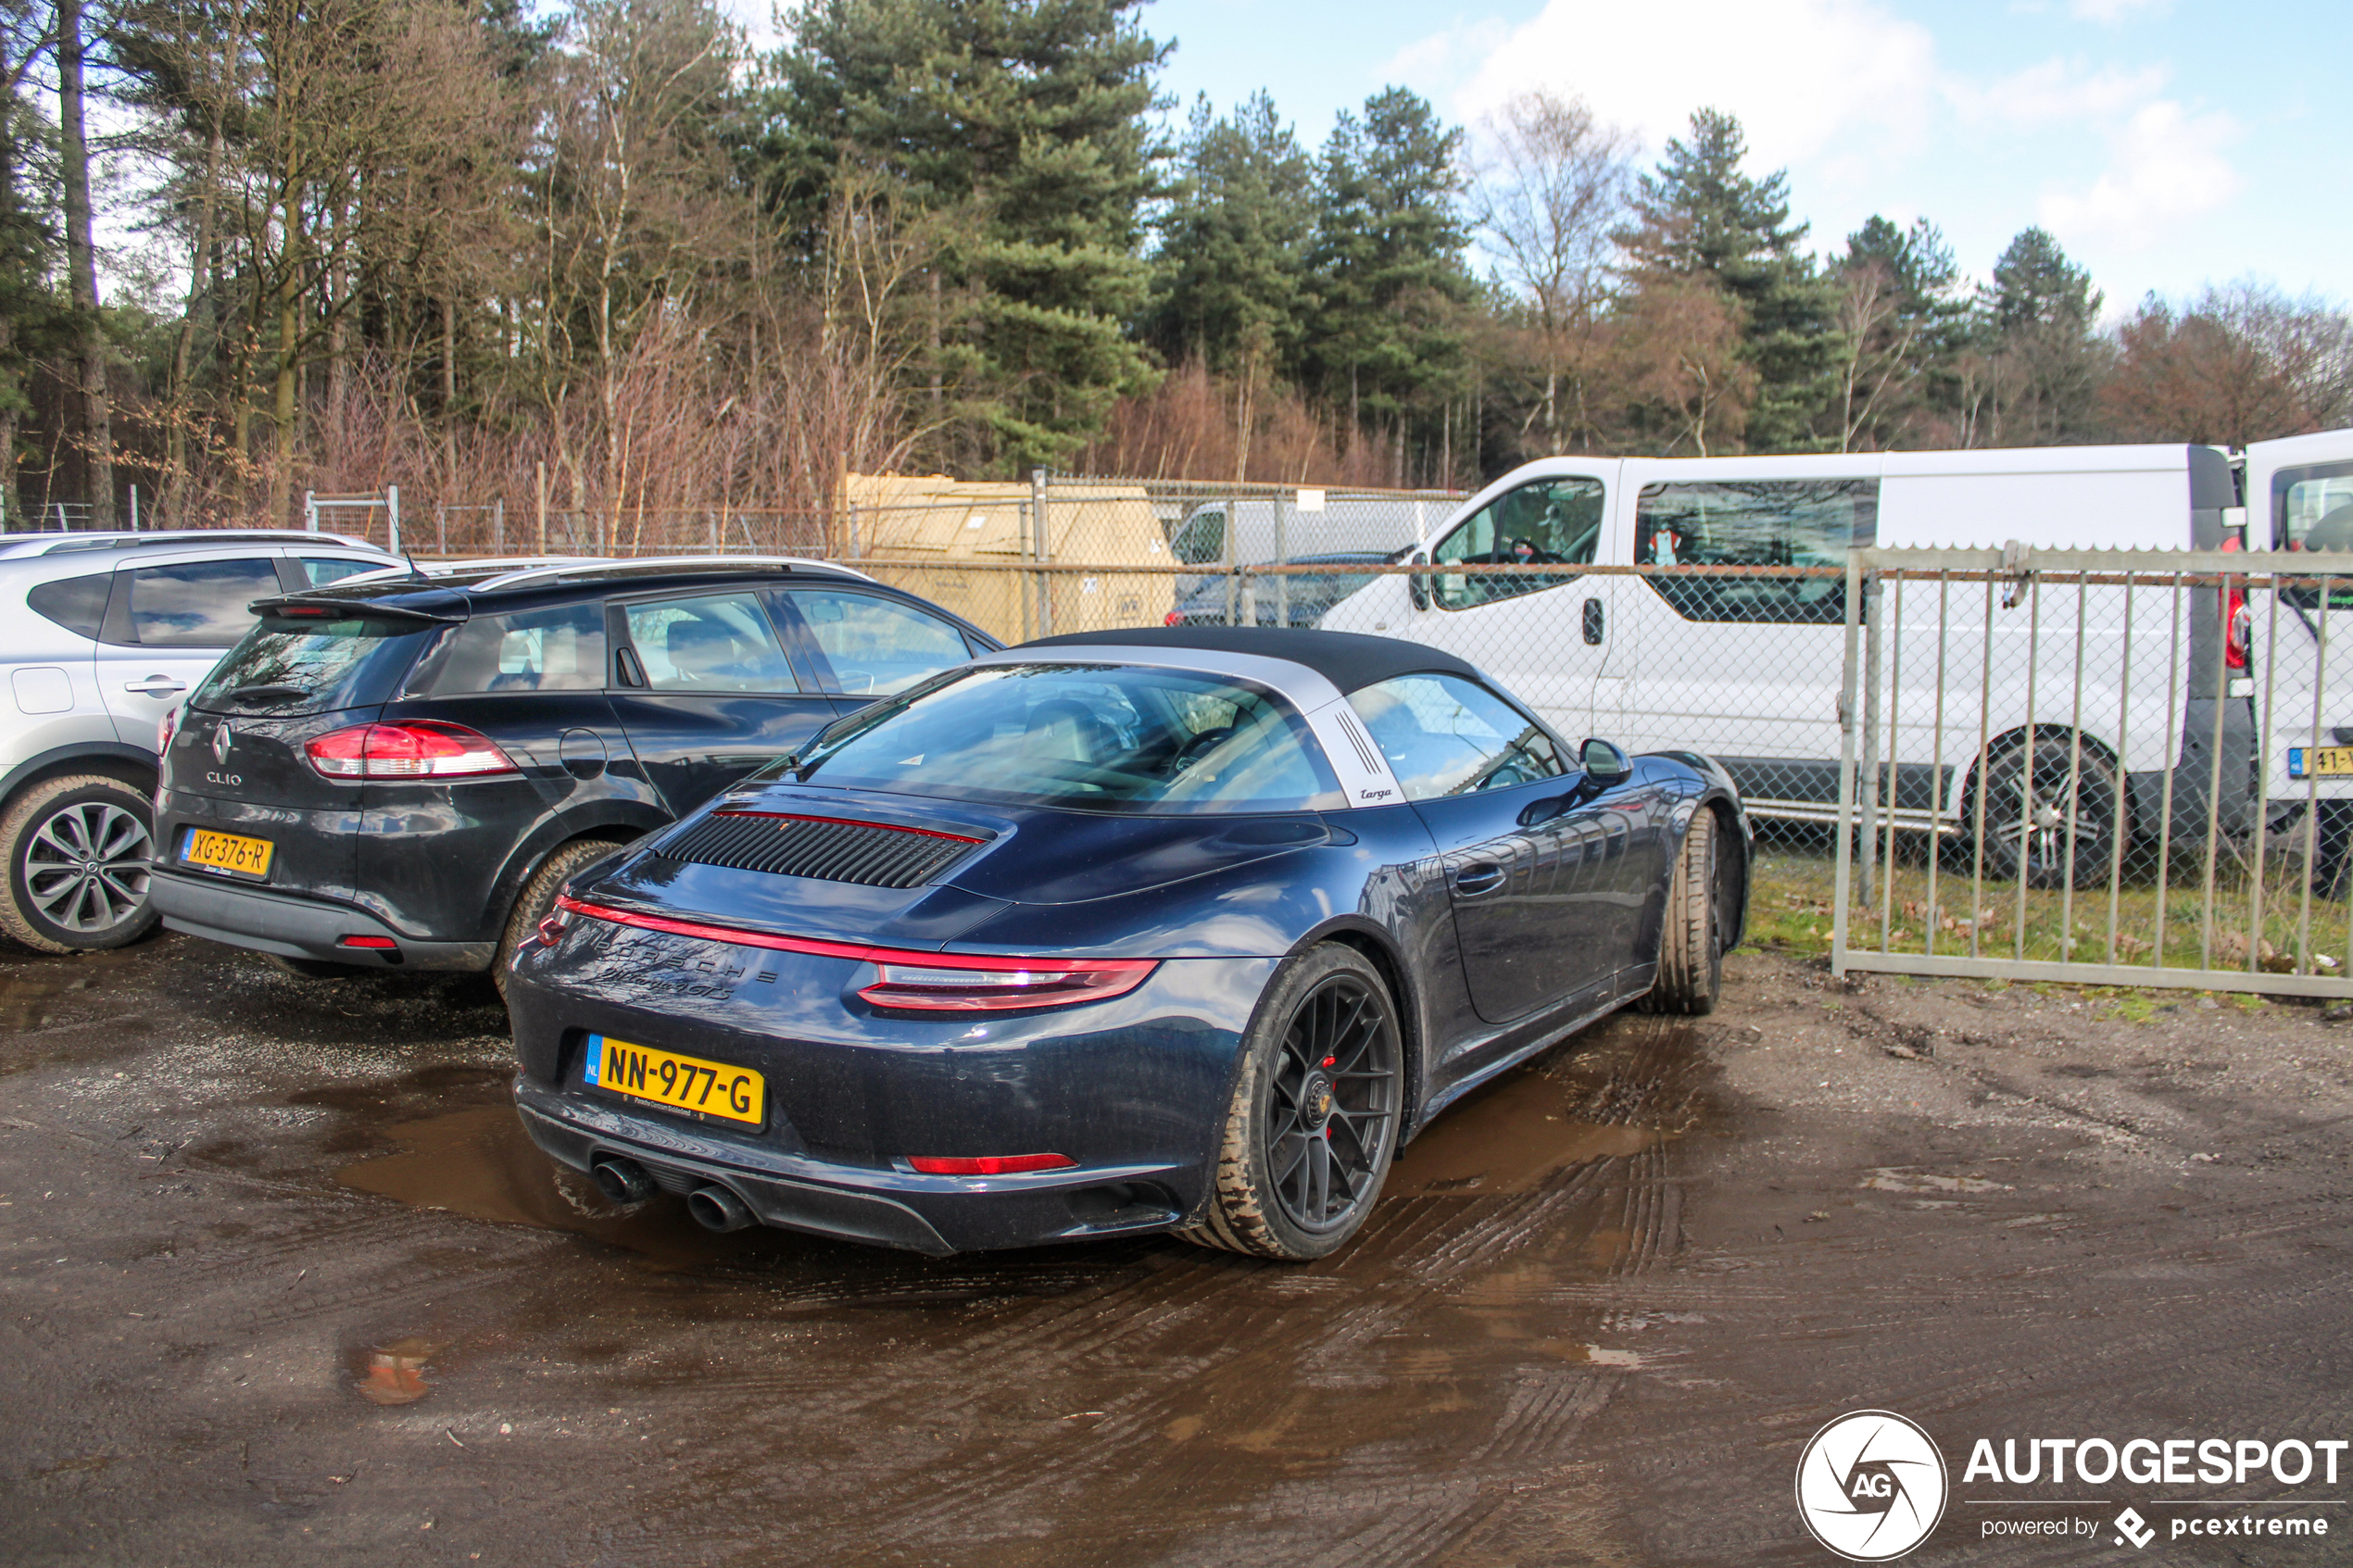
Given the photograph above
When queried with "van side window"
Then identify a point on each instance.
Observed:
(1551, 521)
(1754, 522)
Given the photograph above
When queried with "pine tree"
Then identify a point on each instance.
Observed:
(1901, 322)
(2039, 363)
(1023, 118)
(1232, 254)
(1390, 279)
(1701, 219)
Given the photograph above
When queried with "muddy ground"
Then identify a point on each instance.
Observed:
(1595, 1319)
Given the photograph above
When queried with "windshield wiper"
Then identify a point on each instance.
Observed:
(265, 689)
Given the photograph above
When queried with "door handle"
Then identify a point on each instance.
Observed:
(156, 686)
(1593, 623)
(1472, 881)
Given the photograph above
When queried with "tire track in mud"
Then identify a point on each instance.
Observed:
(1293, 1396)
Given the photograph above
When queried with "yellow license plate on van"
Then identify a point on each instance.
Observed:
(681, 1083)
(2319, 761)
(226, 852)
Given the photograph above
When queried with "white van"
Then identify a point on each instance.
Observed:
(1747, 668)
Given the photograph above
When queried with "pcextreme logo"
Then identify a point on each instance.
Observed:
(1871, 1485)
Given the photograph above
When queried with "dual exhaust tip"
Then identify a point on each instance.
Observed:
(625, 1182)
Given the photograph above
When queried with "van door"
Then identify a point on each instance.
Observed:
(1741, 665)
(2299, 498)
(1542, 634)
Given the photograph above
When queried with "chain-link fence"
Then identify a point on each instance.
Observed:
(2095, 766)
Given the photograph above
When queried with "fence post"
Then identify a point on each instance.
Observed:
(1846, 695)
(392, 514)
(1874, 652)
(1044, 553)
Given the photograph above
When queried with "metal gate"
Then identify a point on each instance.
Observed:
(2097, 767)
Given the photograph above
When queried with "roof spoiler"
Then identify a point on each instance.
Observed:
(319, 604)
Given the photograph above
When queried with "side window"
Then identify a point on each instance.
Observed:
(198, 604)
(1754, 522)
(2313, 508)
(560, 649)
(323, 570)
(78, 603)
(1445, 736)
(877, 646)
(1552, 521)
(713, 643)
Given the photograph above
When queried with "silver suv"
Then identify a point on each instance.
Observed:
(100, 637)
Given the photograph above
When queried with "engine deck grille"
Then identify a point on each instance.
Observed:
(872, 854)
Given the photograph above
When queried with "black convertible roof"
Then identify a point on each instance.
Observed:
(1348, 659)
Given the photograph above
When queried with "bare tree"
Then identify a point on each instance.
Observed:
(1550, 188)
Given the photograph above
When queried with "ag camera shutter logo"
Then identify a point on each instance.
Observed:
(1871, 1485)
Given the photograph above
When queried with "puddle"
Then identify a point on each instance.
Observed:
(1508, 1137)
(396, 1372)
(33, 988)
(1902, 1178)
(482, 1164)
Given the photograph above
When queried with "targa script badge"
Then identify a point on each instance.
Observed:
(1871, 1485)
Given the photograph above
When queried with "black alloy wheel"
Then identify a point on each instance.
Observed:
(1313, 1125)
(2047, 803)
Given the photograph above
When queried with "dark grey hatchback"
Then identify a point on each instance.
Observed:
(406, 772)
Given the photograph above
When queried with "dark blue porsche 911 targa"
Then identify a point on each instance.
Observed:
(1170, 930)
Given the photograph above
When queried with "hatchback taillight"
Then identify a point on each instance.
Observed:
(413, 750)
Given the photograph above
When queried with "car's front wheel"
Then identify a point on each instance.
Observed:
(77, 851)
(1313, 1122)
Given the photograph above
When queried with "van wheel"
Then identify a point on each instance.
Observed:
(78, 850)
(538, 900)
(1691, 939)
(1313, 1122)
(2029, 791)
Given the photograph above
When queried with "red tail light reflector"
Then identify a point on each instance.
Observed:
(417, 749)
(988, 1164)
(923, 981)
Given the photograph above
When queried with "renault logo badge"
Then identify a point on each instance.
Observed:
(222, 738)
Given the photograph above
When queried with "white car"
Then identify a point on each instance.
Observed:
(104, 634)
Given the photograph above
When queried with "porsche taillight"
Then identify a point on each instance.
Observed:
(947, 984)
(412, 750)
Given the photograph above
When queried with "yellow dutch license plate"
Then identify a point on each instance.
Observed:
(2319, 761)
(681, 1083)
(225, 852)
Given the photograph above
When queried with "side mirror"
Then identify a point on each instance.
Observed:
(1418, 585)
(1605, 762)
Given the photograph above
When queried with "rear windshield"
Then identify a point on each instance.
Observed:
(1095, 737)
(299, 665)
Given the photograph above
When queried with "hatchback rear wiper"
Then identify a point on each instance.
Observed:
(265, 688)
